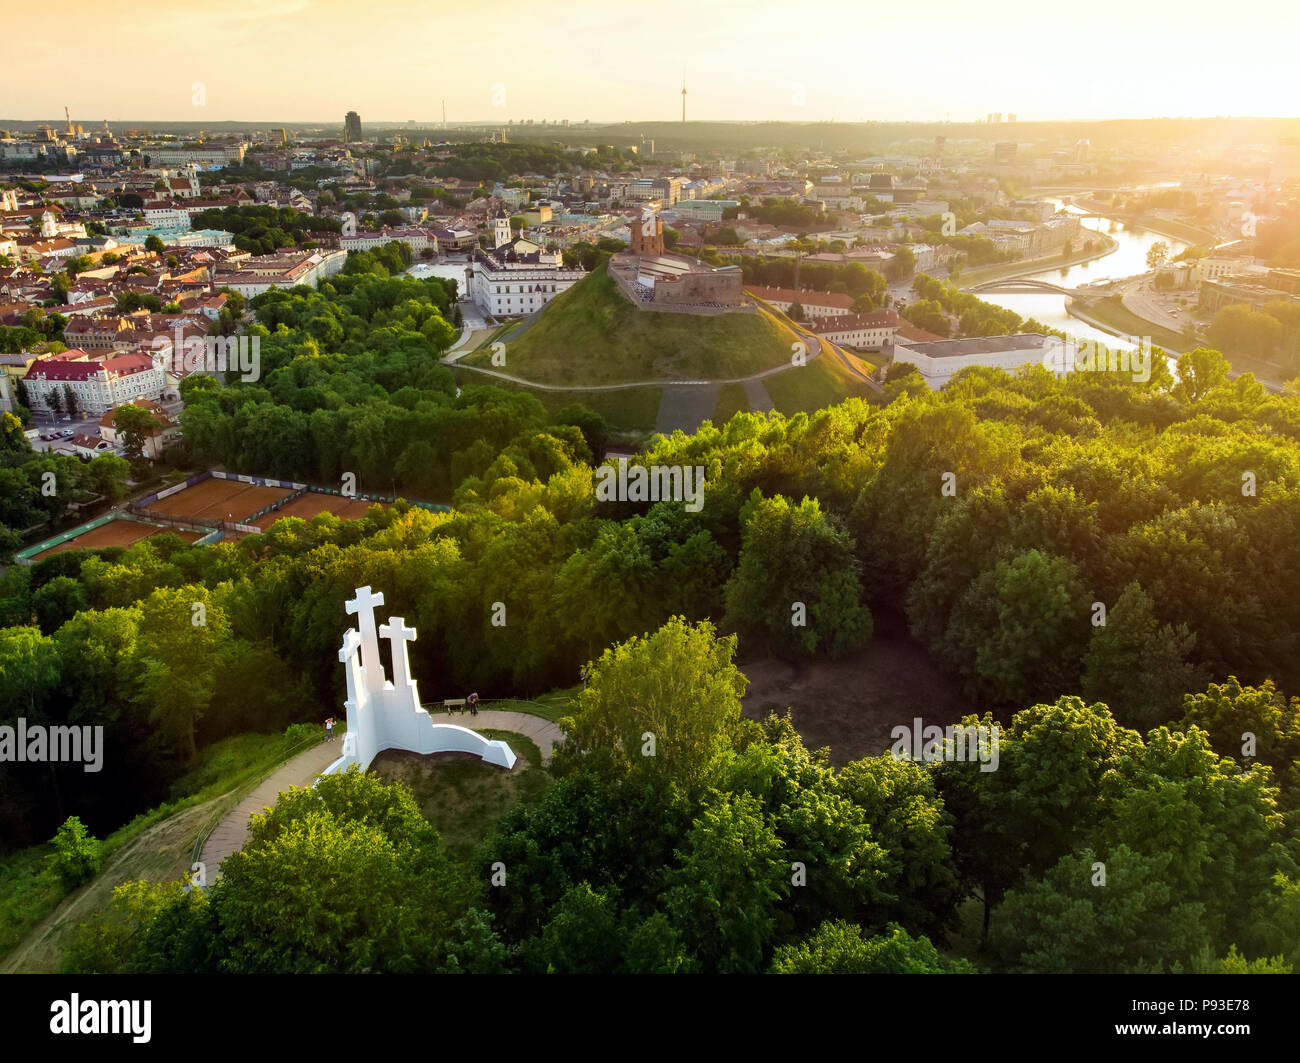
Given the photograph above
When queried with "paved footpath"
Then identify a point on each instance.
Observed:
(545, 734)
(230, 834)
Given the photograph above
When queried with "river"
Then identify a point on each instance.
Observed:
(1128, 260)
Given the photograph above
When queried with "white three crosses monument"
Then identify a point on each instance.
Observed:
(384, 714)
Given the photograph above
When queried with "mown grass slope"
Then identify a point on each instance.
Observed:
(592, 334)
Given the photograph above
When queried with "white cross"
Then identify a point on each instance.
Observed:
(363, 607)
(399, 635)
(348, 655)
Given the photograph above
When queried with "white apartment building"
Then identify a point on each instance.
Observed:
(167, 217)
(417, 240)
(96, 386)
(215, 156)
(1216, 267)
(261, 273)
(858, 330)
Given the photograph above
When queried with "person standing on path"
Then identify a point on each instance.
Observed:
(329, 729)
(472, 701)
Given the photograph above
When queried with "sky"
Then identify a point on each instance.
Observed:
(497, 60)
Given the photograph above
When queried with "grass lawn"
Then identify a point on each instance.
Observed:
(1121, 318)
(631, 409)
(492, 336)
(547, 706)
(463, 797)
(29, 891)
(592, 334)
(731, 401)
(822, 382)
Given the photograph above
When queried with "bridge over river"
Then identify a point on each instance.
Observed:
(1031, 286)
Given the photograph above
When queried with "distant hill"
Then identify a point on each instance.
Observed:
(592, 334)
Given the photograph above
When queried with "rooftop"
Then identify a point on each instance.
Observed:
(1025, 341)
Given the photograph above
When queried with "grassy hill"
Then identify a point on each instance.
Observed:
(592, 334)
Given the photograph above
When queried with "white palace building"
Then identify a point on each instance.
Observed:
(516, 276)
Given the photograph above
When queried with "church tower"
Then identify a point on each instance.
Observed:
(501, 231)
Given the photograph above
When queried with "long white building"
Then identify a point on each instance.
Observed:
(939, 361)
(416, 239)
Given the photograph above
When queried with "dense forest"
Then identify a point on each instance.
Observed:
(1106, 567)
(500, 162)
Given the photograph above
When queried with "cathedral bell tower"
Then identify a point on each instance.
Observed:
(501, 229)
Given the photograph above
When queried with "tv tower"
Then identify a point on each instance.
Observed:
(683, 97)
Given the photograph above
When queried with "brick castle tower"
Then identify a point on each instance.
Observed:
(648, 236)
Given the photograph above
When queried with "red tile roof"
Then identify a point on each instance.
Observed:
(805, 298)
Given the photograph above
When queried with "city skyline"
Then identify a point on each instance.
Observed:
(252, 63)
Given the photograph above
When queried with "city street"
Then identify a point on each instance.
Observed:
(1159, 307)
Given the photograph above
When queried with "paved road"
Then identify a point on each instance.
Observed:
(1139, 301)
(466, 342)
(759, 400)
(687, 406)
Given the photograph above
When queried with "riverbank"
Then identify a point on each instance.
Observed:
(1009, 270)
(1154, 223)
(1119, 321)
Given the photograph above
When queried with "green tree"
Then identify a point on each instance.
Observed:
(77, 853)
(902, 265)
(725, 894)
(344, 877)
(1019, 631)
(687, 710)
(181, 631)
(1138, 666)
(106, 943)
(797, 583)
(58, 601)
(839, 947)
(134, 424)
(108, 476)
(1200, 371)
(1066, 923)
(1217, 824)
(1243, 718)
(1042, 801)
(30, 670)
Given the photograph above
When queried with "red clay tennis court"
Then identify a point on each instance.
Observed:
(121, 532)
(314, 502)
(217, 499)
